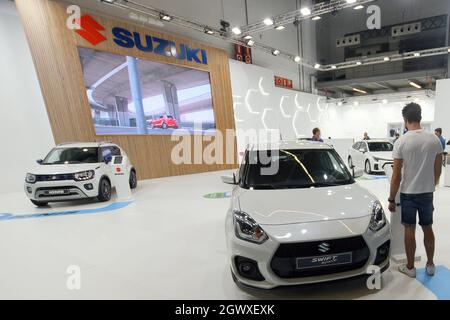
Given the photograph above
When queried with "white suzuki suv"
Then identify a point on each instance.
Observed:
(76, 171)
(297, 216)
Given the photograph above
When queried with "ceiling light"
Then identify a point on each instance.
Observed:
(356, 103)
(305, 11)
(280, 27)
(415, 85)
(340, 103)
(359, 7)
(448, 49)
(351, 1)
(316, 18)
(333, 67)
(275, 52)
(416, 54)
(109, 1)
(358, 63)
(209, 31)
(165, 17)
(359, 90)
(250, 43)
(297, 59)
(236, 30)
(317, 66)
(248, 37)
(268, 21)
(387, 59)
(384, 101)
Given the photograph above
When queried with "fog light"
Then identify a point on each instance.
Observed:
(29, 189)
(88, 186)
(248, 268)
(382, 252)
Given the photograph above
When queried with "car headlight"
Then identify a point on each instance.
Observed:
(247, 229)
(30, 178)
(84, 175)
(378, 219)
(381, 159)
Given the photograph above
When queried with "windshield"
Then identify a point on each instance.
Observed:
(72, 155)
(303, 168)
(380, 146)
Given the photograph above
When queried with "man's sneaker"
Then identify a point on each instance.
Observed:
(431, 269)
(409, 272)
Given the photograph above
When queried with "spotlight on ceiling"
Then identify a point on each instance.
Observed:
(165, 17)
(359, 90)
(340, 104)
(448, 49)
(268, 21)
(358, 63)
(209, 31)
(356, 103)
(109, 1)
(317, 66)
(359, 7)
(275, 52)
(280, 27)
(297, 59)
(248, 37)
(415, 85)
(333, 67)
(236, 30)
(351, 1)
(387, 59)
(250, 42)
(305, 11)
(384, 101)
(316, 18)
(416, 54)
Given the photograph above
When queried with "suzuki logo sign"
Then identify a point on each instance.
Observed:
(324, 247)
(90, 30)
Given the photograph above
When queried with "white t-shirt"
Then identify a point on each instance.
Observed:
(418, 150)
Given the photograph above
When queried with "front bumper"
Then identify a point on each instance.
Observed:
(276, 257)
(378, 166)
(47, 191)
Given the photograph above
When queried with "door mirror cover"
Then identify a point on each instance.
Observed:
(229, 179)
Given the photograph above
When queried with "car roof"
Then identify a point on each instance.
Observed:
(86, 144)
(289, 145)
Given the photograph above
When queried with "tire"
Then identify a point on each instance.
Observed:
(133, 179)
(104, 190)
(39, 203)
(164, 125)
(367, 167)
(350, 163)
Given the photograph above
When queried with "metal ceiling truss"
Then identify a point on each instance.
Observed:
(318, 9)
(296, 15)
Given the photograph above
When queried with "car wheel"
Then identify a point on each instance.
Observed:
(133, 179)
(104, 190)
(164, 125)
(350, 162)
(39, 203)
(367, 167)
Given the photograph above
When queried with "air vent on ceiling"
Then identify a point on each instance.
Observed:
(406, 29)
(348, 41)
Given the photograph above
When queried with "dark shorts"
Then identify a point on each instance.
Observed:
(413, 204)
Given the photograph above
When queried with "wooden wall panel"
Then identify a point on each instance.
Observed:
(54, 50)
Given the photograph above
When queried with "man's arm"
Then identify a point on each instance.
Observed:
(396, 178)
(437, 168)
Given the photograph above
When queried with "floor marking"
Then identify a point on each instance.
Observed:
(439, 284)
(217, 195)
(111, 207)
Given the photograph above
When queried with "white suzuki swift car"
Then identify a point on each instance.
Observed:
(372, 155)
(297, 216)
(74, 171)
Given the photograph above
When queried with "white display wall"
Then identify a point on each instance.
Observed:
(443, 106)
(25, 129)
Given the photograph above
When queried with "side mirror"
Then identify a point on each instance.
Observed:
(229, 179)
(40, 161)
(362, 150)
(107, 158)
(357, 172)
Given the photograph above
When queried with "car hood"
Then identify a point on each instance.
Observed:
(62, 168)
(288, 206)
(387, 155)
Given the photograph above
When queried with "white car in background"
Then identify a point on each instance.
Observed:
(309, 222)
(75, 171)
(372, 155)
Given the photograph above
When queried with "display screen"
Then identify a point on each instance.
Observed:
(130, 96)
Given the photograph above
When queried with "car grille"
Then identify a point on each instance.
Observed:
(66, 192)
(54, 177)
(284, 262)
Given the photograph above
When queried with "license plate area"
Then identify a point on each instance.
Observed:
(57, 192)
(324, 261)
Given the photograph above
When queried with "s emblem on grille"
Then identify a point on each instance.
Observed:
(324, 247)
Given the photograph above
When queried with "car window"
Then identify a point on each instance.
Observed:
(363, 146)
(170, 117)
(70, 155)
(106, 151)
(380, 146)
(356, 145)
(116, 151)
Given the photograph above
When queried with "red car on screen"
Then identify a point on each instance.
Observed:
(164, 122)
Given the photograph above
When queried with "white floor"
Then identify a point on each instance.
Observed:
(168, 244)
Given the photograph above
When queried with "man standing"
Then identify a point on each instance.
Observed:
(366, 136)
(438, 133)
(316, 135)
(419, 154)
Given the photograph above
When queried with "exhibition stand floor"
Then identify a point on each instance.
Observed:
(167, 243)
